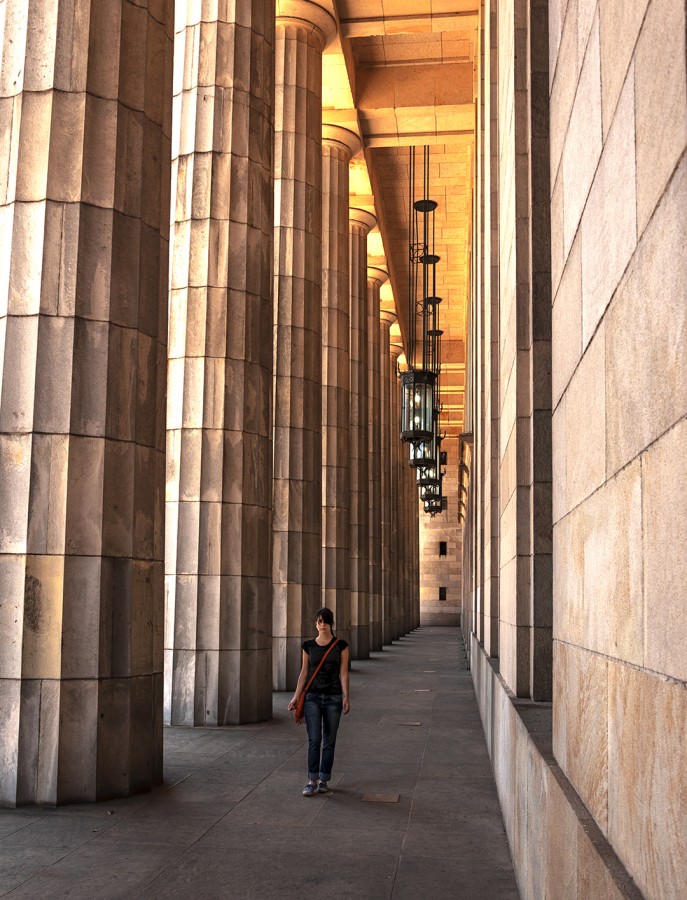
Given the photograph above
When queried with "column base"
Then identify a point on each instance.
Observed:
(360, 642)
(376, 638)
(286, 661)
(81, 740)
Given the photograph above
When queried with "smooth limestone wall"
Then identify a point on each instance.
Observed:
(619, 195)
(508, 356)
(593, 785)
(558, 849)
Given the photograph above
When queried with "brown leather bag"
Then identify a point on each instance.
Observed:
(299, 711)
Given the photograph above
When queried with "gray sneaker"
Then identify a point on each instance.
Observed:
(310, 790)
(322, 787)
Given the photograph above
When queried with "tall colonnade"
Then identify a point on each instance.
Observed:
(268, 396)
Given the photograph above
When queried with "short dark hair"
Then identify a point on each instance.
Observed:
(326, 615)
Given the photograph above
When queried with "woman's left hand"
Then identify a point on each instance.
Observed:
(346, 707)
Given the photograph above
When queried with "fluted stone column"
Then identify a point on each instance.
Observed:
(415, 608)
(406, 517)
(417, 571)
(84, 217)
(410, 501)
(415, 554)
(375, 279)
(218, 640)
(388, 436)
(361, 221)
(338, 147)
(303, 30)
(412, 504)
(398, 458)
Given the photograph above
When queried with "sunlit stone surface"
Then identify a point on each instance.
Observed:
(86, 103)
(399, 461)
(375, 279)
(361, 222)
(387, 444)
(338, 146)
(219, 444)
(303, 31)
(558, 134)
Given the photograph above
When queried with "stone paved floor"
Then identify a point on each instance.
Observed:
(230, 820)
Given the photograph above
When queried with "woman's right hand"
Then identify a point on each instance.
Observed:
(292, 704)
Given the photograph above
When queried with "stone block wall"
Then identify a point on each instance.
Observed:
(619, 195)
(442, 571)
(558, 849)
(508, 356)
(595, 780)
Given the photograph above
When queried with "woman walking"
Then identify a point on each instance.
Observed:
(326, 698)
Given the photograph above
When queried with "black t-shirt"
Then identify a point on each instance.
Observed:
(327, 680)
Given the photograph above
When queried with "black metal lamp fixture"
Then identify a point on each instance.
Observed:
(417, 405)
(427, 460)
(430, 491)
(420, 383)
(426, 475)
(424, 453)
(433, 506)
(433, 496)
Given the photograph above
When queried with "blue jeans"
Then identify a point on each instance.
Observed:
(322, 714)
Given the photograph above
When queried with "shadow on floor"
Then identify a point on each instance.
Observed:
(230, 819)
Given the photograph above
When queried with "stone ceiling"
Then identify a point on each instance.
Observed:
(402, 73)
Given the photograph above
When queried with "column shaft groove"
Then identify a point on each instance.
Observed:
(360, 224)
(219, 443)
(336, 466)
(376, 277)
(85, 212)
(297, 485)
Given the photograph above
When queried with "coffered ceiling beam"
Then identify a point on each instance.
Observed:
(371, 26)
(428, 85)
(414, 138)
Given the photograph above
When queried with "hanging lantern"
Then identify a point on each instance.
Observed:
(417, 405)
(425, 454)
(425, 458)
(431, 490)
(432, 496)
(422, 454)
(427, 475)
(433, 506)
(420, 383)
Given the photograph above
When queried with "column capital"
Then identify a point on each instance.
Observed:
(388, 316)
(377, 276)
(362, 217)
(396, 349)
(307, 15)
(335, 134)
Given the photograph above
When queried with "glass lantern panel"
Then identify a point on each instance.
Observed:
(417, 405)
(427, 474)
(429, 491)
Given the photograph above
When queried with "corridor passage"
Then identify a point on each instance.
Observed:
(413, 814)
